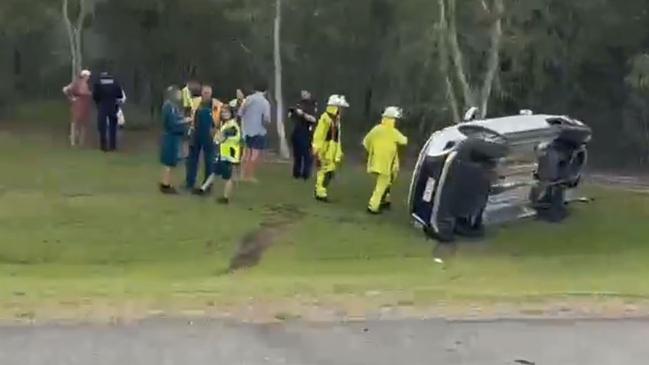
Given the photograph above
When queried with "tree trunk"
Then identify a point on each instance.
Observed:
(71, 38)
(279, 96)
(75, 35)
(473, 97)
(77, 49)
(493, 61)
(456, 55)
(16, 79)
(78, 39)
(452, 101)
(442, 28)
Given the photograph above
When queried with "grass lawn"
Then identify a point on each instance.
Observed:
(86, 235)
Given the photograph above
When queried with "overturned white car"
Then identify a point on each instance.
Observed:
(496, 170)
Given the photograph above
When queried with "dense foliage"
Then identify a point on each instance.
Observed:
(583, 57)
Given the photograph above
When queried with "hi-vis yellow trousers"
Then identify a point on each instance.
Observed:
(381, 194)
(323, 177)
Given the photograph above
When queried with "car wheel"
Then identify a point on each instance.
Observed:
(574, 135)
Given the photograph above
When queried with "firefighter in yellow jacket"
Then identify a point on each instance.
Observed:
(327, 146)
(382, 144)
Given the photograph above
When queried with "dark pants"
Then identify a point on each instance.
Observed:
(302, 157)
(199, 144)
(107, 122)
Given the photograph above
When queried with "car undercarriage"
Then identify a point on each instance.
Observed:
(498, 170)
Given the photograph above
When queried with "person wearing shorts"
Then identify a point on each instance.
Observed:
(257, 142)
(255, 116)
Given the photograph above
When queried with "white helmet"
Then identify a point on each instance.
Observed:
(393, 112)
(338, 100)
(85, 73)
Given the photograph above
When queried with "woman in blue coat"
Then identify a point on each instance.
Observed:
(174, 128)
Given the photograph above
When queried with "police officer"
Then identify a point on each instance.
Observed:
(304, 120)
(108, 95)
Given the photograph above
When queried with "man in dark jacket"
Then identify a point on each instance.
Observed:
(304, 120)
(108, 95)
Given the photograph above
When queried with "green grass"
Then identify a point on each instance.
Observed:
(55, 113)
(83, 232)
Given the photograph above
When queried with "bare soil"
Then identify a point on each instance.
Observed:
(253, 245)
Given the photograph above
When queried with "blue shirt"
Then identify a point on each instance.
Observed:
(173, 121)
(255, 114)
(204, 121)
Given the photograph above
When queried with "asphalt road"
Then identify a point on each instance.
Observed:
(376, 343)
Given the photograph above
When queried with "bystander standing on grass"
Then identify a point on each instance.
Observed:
(255, 115)
(80, 99)
(174, 128)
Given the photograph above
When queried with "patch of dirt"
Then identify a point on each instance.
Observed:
(74, 195)
(627, 182)
(254, 244)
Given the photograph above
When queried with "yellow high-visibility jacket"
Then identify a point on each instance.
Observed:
(381, 144)
(327, 145)
(216, 110)
(229, 141)
(187, 101)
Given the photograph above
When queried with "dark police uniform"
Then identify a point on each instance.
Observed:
(302, 138)
(106, 93)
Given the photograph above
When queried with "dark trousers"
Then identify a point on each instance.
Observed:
(199, 144)
(107, 127)
(302, 157)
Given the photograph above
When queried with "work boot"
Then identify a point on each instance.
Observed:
(223, 200)
(372, 212)
(198, 192)
(322, 199)
(386, 205)
(168, 189)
